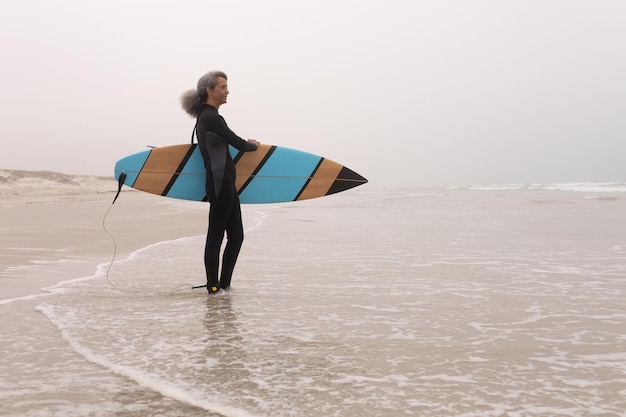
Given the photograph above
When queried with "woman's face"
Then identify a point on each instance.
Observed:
(219, 94)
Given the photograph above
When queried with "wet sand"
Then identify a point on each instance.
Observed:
(45, 242)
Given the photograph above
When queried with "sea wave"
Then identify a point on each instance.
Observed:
(584, 187)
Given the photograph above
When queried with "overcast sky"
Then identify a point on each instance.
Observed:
(405, 92)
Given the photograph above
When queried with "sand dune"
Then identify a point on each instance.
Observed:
(36, 187)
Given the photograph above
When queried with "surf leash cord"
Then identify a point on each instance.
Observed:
(120, 183)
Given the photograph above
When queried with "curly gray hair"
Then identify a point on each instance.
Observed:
(192, 100)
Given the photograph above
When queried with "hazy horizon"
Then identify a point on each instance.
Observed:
(422, 93)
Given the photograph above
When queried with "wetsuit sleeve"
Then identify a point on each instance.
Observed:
(219, 127)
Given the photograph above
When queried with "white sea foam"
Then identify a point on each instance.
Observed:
(142, 378)
(583, 187)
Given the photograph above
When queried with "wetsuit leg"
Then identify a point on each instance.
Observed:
(234, 236)
(219, 215)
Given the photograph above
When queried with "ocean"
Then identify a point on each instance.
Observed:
(502, 300)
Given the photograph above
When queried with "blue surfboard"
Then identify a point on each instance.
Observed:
(271, 174)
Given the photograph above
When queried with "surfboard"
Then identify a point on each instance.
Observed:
(271, 174)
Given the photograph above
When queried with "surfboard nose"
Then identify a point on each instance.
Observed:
(345, 180)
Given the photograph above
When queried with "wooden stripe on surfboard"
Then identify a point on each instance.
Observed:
(181, 166)
(156, 173)
(321, 179)
(249, 164)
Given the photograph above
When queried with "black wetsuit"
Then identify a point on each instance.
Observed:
(225, 211)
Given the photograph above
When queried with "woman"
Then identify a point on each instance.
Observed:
(214, 136)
